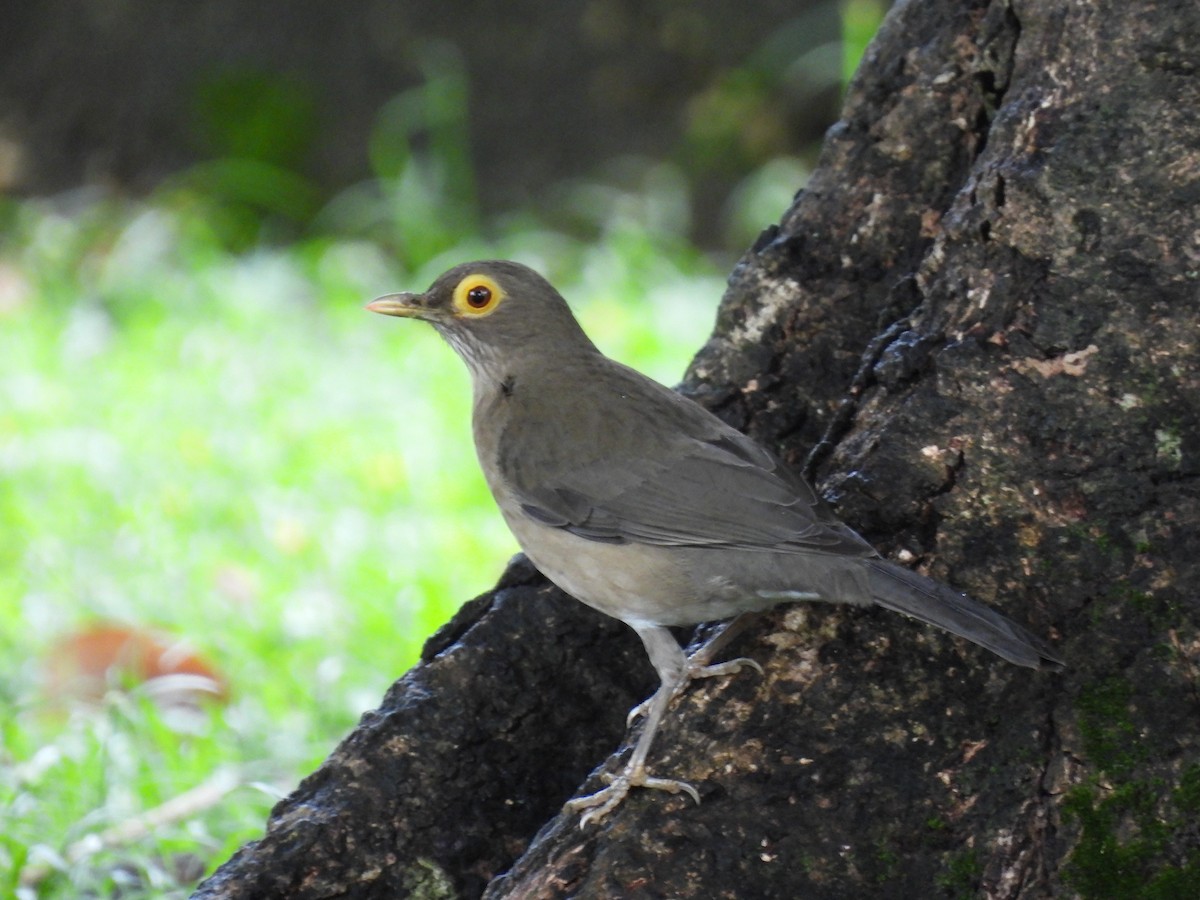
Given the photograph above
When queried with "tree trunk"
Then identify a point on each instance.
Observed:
(982, 313)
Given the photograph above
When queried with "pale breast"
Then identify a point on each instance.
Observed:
(636, 583)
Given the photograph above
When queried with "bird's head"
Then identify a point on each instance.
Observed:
(495, 313)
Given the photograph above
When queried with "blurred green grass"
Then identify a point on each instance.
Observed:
(227, 447)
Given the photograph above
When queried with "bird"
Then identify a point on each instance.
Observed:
(644, 505)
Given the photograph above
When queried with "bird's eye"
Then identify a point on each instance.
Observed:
(477, 295)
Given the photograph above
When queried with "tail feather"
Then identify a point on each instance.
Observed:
(896, 588)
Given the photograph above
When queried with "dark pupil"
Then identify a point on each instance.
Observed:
(478, 297)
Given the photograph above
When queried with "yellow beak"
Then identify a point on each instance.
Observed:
(408, 305)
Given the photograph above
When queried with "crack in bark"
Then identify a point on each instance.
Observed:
(841, 420)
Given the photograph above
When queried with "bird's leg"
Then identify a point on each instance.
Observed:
(675, 671)
(699, 663)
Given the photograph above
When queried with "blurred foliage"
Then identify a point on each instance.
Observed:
(422, 200)
(245, 114)
(202, 433)
(256, 130)
(860, 20)
(226, 447)
(744, 119)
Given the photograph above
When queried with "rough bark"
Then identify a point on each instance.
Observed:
(982, 313)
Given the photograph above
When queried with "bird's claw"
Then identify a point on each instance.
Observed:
(732, 667)
(638, 711)
(605, 800)
(674, 678)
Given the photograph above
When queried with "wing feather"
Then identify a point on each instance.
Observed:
(670, 473)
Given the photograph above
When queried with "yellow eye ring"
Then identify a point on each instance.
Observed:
(477, 295)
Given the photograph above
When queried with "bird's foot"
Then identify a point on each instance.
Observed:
(675, 672)
(695, 669)
(605, 800)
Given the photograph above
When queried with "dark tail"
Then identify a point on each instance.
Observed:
(894, 587)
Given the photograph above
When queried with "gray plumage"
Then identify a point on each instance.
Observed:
(643, 504)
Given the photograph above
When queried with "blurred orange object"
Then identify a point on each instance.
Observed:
(102, 657)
